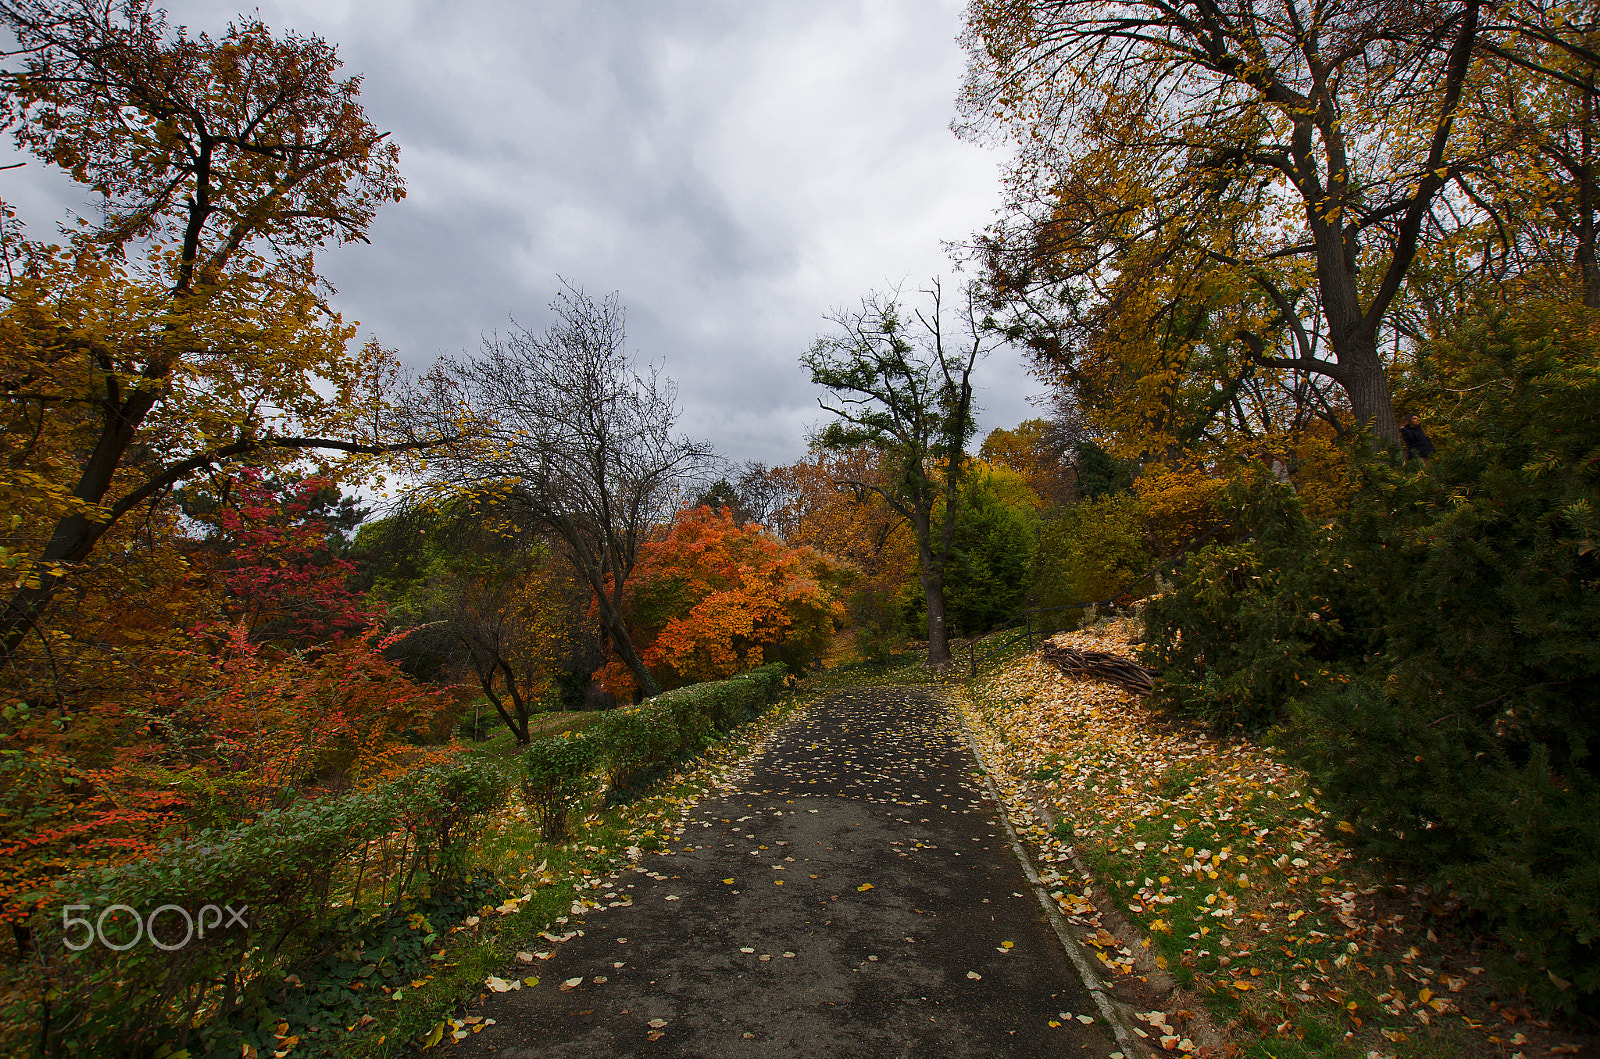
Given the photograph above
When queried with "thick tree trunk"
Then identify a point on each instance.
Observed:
(623, 645)
(76, 535)
(1368, 388)
(1357, 367)
(938, 632)
(611, 623)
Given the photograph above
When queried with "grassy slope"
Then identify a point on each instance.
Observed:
(1221, 861)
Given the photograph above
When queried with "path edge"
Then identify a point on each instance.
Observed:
(1117, 1014)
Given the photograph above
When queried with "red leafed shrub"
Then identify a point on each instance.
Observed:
(57, 817)
(267, 722)
(285, 580)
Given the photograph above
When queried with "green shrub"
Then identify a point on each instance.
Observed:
(437, 806)
(986, 574)
(632, 739)
(1092, 551)
(1442, 699)
(1250, 622)
(285, 873)
(770, 680)
(640, 738)
(879, 621)
(555, 778)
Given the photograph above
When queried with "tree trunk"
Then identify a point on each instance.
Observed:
(622, 643)
(1367, 387)
(76, 535)
(1354, 338)
(938, 632)
(1588, 269)
(486, 680)
(612, 625)
(518, 704)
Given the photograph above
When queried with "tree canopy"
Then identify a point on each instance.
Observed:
(186, 329)
(1262, 180)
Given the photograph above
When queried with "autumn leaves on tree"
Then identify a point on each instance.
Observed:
(1206, 199)
(185, 330)
(1236, 236)
(179, 338)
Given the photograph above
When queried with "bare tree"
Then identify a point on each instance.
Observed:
(912, 402)
(580, 439)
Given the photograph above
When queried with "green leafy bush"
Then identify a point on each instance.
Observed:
(273, 885)
(986, 575)
(1443, 698)
(878, 619)
(1253, 621)
(555, 778)
(637, 739)
(1091, 551)
(633, 739)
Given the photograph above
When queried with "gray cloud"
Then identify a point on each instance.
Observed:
(734, 170)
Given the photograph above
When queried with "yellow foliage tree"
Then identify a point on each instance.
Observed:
(187, 328)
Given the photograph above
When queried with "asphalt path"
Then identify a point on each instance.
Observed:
(856, 895)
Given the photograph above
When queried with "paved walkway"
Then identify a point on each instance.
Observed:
(856, 896)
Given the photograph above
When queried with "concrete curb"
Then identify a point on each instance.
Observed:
(1200, 1028)
(1116, 1014)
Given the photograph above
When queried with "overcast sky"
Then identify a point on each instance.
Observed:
(733, 169)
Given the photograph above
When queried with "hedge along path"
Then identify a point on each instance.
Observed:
(856, 895)
(296, 874)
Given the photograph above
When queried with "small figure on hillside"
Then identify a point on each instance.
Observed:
(1415, 440)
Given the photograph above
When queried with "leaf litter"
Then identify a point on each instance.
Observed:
(1227, 867)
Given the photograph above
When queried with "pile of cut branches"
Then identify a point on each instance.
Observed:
(1125, 673)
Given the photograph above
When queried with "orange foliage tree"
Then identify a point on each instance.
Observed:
(712, 598)
(856, 526)
(1042, 451)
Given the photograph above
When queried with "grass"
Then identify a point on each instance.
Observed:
(501, 743)
(1231, 878)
